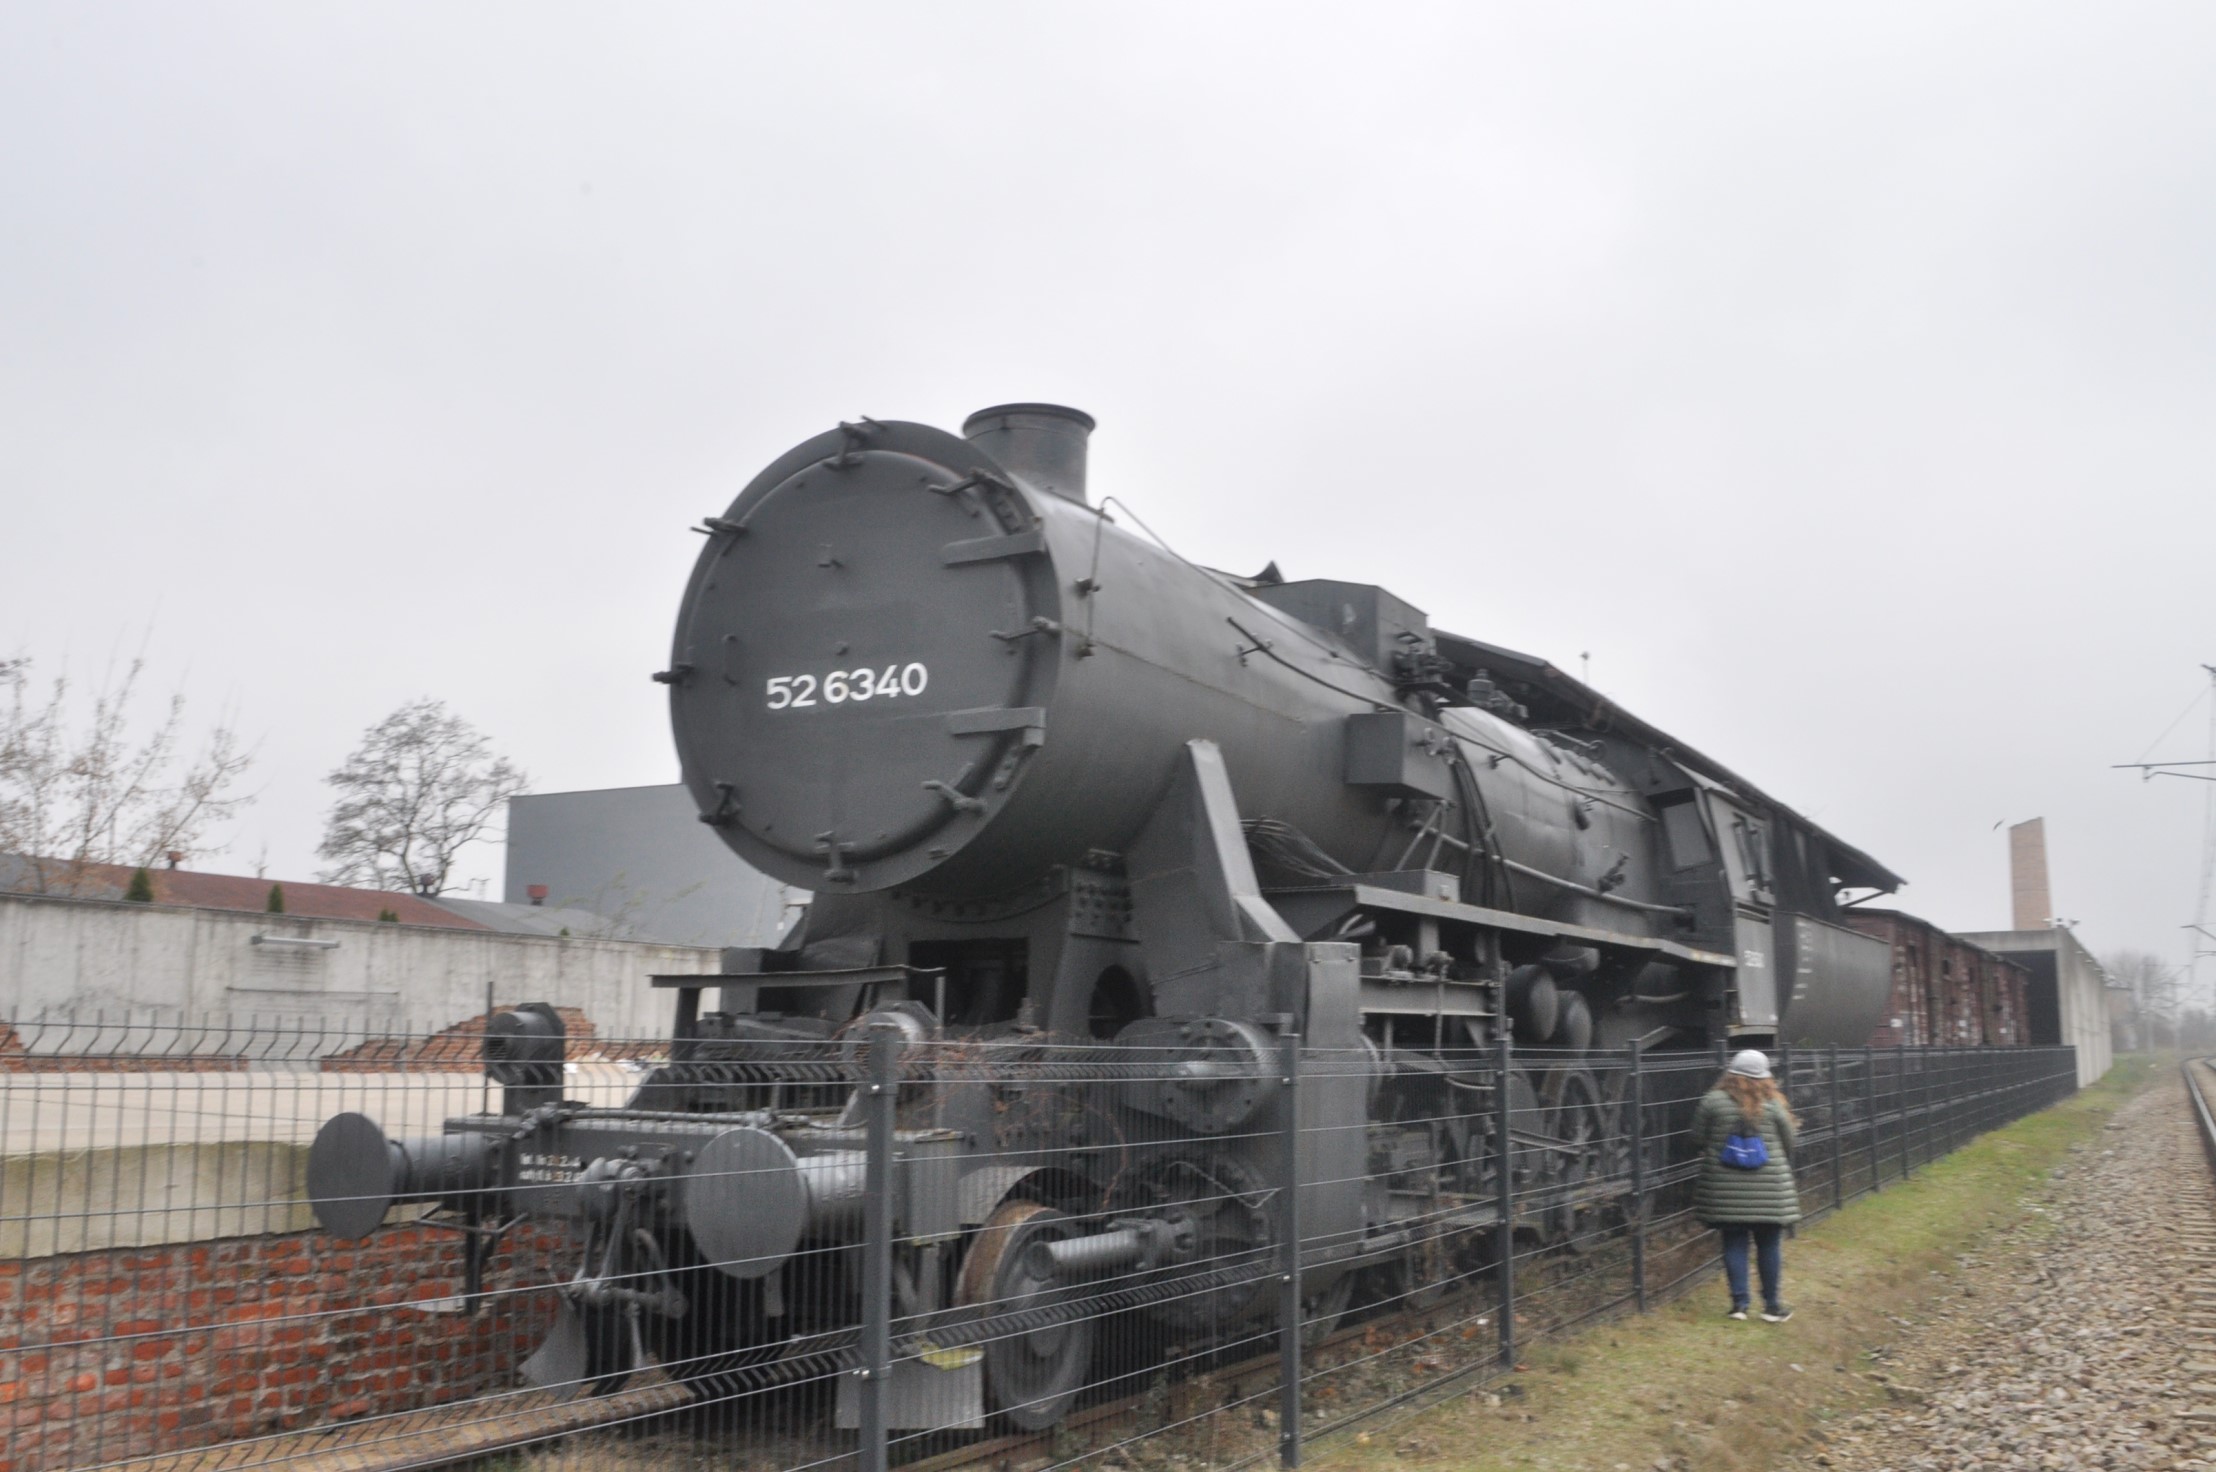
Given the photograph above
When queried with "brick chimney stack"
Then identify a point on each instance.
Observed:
(2027, 876)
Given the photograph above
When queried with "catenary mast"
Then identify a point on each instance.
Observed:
(2202, 943)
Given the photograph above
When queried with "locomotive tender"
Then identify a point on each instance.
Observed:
(1063, 797)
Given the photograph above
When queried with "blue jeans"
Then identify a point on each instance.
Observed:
(1768, 1258)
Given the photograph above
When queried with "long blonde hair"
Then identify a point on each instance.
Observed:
(1753, 1095)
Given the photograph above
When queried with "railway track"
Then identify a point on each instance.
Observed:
(465, 1431)
(2197, 1244)
(419, 1440)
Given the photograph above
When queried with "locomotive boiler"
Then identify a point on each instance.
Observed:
(1064, 798)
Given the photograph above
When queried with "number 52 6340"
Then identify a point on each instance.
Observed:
(789, 692)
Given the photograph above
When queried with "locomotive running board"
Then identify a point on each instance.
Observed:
(1313, 909)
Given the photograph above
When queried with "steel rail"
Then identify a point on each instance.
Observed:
(2201, 1113)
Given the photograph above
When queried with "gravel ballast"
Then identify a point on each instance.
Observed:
(2066, 1343)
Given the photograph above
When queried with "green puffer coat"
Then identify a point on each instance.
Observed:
(1727, 1196)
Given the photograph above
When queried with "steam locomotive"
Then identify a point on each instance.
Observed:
(1062, 796)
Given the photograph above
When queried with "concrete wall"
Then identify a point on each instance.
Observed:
(641, 857)
(2081, 996)
(120, 1159)
(71, 956)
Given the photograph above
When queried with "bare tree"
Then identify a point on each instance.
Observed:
(2154, 987)
(422, 786)
(78, 792)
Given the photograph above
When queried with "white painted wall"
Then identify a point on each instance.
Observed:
(2085, 1011)
(2081, 992)
(80, 957)
(102, 1160)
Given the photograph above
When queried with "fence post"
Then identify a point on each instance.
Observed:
(1915, 1131)
(1900, 1095)
(1935, 1086)
(1946, 1096)
(1954, 1086)
(1869, 1089)
(881, 1096)
(1505, 1143)
(1289, 1300)
(1838, 1134)
(1937, 1135)
(1638, 1093)
(1920, 1139)
(1973, 1067)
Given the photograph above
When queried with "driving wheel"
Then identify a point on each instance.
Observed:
(1035, 1359)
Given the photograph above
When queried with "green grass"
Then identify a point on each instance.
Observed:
(1687, 1386)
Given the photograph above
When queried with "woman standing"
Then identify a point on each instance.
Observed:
(1746, 1190)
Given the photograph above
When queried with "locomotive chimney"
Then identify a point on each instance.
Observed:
(1042, 443)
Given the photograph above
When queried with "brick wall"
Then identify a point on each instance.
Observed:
(461, 1048)
(107, 1355)
(15, 1058)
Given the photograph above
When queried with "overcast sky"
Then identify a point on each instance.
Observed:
(1845, 384)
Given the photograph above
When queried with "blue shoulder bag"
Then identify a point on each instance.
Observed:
(1744, 1151)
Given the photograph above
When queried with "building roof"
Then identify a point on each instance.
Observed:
(1850, 913)
(21, 874)
(1554, 696)
(536, 919)
(2056, 938)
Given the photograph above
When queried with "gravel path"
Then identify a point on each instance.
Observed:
(2067, 1345)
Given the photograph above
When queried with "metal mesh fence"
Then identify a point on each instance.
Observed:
(881, 1249)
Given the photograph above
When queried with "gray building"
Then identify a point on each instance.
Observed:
(2067, 994)
(640, 859)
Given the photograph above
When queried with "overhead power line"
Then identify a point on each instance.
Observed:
(2190, 706)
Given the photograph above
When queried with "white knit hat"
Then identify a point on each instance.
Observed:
(1750, 1062)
